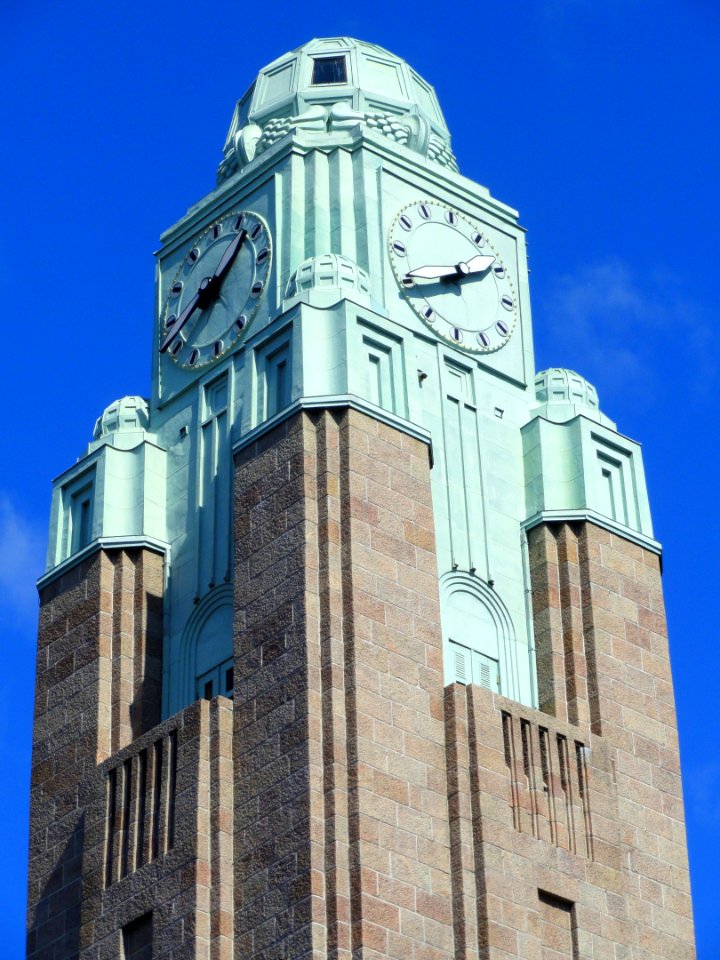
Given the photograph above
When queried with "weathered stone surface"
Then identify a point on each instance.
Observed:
(363, 743)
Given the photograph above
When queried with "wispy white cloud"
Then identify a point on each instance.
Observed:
(626, 329)
(22, 545)
(702, 787)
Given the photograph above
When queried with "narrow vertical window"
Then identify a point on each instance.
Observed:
(142, 805)
(172, 778)
(84, 536)
(125, 828)
(111, 799)
(157, 782)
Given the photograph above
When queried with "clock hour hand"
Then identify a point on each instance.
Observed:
(180, 322)
(479, 263)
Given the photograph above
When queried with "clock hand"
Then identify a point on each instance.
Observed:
(476, 264)
(226, 261)
(209, 289)
(479, 263)
(432, 272)
(180, 322)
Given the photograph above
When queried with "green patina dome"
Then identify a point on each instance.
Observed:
(333, 84)
(558, 385)
(329, 270)
(126, 414)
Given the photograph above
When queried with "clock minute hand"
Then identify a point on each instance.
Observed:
(180, 322)
(432, 272)
(227, 259)
(479, 263)
(476, 264)
(209, 289)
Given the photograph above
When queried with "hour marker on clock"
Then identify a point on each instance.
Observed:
(400, 248)
(171, 321)
(255, 231)
(240, 323)
(257, 288)
(502, 328)
(176, 287)
(193, 358)
(507, 302)
(428, 313)
(193, 255)
(451, 217)
(216, 230)
(262, 256)
(424, 211)
(456, 334)
(176, 347)
(237, 226)
(483, 339)
(478, 240)
(218, 347)
(405, 222)
(499, 270)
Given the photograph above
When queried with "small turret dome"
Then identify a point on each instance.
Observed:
(563, 395)
(124, 415)
(557, 385)
(328, 270)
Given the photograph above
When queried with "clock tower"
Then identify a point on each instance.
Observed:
(352, 639)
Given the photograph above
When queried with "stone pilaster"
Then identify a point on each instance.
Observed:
(99, 649)
(341, 795)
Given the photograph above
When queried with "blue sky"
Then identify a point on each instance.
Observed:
(598, 121)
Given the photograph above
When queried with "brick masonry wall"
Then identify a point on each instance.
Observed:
(98, 676)
(534, 814)
(341, 792)
(158, 838)
(349, 806)
(577, 815)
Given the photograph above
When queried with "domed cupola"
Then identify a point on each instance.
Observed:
(129, 414)
(564, 394)
(332, 85)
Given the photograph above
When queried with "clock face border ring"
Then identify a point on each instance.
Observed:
(206, 261)
(458, 275)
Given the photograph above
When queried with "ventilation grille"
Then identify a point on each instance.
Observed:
(140, 808)
(469, 666)
(549, 787)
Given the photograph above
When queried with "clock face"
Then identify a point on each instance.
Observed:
(217, 290)
(452, 276)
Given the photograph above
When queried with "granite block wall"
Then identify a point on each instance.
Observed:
(347, 804)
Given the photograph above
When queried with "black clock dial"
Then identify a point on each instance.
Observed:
(217, 290)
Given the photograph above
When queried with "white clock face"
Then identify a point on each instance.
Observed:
(453, 277)
(217, 290)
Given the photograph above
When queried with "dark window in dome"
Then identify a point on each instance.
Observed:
(329, 70)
